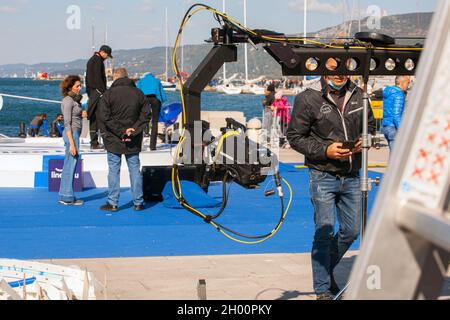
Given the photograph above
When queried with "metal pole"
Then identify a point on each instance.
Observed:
(366, 183)
(366, 145)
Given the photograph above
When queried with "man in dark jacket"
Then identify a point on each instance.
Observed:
(95, 87)
(123, 113)
(320, 123)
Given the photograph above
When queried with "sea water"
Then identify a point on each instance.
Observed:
(16, 111)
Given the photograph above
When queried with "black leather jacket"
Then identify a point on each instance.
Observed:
(317, 122)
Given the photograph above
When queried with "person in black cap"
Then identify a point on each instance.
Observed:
(95, 87)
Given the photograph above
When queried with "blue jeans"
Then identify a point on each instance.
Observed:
(134, 167)
(389, 133)
(70, 164)
(330, 193)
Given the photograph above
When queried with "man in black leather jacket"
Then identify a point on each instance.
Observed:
(321, 122)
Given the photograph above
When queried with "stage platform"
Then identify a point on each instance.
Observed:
(34, 226)
(24, 162)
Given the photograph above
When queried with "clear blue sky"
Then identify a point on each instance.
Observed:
(33, 31)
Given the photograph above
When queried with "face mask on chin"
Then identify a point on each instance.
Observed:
(335, 86)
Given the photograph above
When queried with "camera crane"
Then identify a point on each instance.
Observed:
(367, 54)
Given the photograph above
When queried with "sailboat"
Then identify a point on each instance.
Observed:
(167, 85)
(231, 89)
(250, 86)
(227, 87)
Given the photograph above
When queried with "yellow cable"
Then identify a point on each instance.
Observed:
(222, 139)
(272, 233)
(250, 242)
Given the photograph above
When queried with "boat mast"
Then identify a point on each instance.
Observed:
(182, 46)
(224, 65)
(167, 47)
(93, 36)
(305, 13)
(305, 16)
(106, 42)
(246, 45)
(108, 64)
(352, 12)
(359, 15)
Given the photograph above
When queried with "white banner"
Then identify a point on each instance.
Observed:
(427, 174)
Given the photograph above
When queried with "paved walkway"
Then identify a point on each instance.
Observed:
(231, 277)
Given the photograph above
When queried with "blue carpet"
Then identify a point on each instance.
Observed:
(34, 226)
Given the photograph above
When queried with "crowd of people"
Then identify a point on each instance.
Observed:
(120, 114)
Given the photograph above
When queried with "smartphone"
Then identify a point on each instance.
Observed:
(350, 145)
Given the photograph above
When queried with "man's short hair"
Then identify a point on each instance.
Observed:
(399, 79)
(120, 73)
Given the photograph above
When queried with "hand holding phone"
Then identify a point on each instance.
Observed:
(348, 145)
(336, 151)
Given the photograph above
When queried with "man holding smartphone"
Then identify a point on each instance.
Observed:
(326, 127)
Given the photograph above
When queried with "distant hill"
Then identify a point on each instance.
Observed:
(406, 25)
(143, 60)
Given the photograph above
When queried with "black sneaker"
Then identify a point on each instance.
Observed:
(72, 203)
(325, 296)
(109, 208)
(96, 147)
(334, 288)
(139, 207)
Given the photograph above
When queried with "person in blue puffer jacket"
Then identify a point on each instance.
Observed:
(393, 107)
(154, 91)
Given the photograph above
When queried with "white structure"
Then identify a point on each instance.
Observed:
(406, 251)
